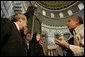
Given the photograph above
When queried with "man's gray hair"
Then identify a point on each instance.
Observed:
(77, 18)
(16, 17)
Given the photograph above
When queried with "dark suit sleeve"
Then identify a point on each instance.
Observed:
(5, 31)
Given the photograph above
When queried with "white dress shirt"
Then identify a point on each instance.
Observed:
(17, 26)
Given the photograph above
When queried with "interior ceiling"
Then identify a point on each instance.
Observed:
(55, 5)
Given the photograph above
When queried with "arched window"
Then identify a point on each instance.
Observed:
(81, 6)
(70, 12)
(61, 15)
(52, 15)
(44, 13)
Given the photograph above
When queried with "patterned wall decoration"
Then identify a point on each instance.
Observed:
(52, 31)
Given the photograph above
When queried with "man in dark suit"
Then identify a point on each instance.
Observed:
(12, 44)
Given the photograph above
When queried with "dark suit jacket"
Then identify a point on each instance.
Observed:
(12, 44)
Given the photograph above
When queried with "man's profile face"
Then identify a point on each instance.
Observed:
(23, 22)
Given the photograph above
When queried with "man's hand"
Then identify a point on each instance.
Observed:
(62, 42)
